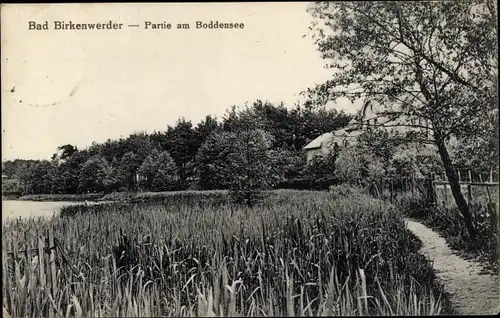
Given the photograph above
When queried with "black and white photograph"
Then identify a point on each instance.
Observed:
(250, 159)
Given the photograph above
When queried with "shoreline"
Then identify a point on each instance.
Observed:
(100, 197)
(55, 197)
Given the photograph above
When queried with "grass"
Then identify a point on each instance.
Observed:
(62, 197)
(194, 254)
(480, 196)
(124, 196)
(448, 221)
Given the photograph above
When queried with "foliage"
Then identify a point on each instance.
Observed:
(192, 147)
(38, 178)
(127, 170)
(414, 160)
(356, 164)
(242, 162)
(66, 151)
(250, 166)
(287, 164)
(211, 159)
(159, 171)
(321, 171)
(95, 175)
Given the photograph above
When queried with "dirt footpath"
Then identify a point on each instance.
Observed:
(471, 293)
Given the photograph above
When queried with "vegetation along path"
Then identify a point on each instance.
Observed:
(471, 291)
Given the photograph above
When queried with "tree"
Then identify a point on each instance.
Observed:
(159, 170)
(182, 145)
(211, 160)
(321, 171)
(140, 144)
(14, 169)
(205, 128)
(67, 172)
(242, 161)
(414, 160)
(430, 60)
(95, 175)
(66, 151)
(38, 178)
(249, 166)
(127, 170)
(356, 164)
(287, 164)
(166, 174)
(316, 120)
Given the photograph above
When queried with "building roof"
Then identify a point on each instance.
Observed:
(348, 132)
(316, 143)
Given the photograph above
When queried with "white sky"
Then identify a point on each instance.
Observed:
(108, 84)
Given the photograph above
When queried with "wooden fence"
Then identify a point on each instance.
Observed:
(34, 262)
(476, 185)
(437, 188)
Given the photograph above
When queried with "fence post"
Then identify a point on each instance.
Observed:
(27, 254)
(40, 259)
(391, 189)
(52, 261)
(487, 188)
(413, 183)
(16, 269)
(6, 281)
(470, 176)
(445, 195)
(431, 194)
(14, 256)
(469, 193)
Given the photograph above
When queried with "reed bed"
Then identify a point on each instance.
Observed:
(298, 253)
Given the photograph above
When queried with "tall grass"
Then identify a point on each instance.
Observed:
(298, 253)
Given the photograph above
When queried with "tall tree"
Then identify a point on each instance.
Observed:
(159, 170)
(127, 170)
(205, 128)
(250, 166)
(68, 172)
(38, 178)
(182, 145)
(95, 175)
(66, 151)
(435, 61)
(211, 160)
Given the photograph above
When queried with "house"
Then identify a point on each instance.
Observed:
(371, 115)
(374, 115)
(319, 146)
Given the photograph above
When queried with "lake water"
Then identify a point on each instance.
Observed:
(15, 209)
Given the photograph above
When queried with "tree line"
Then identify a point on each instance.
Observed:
(253, 146)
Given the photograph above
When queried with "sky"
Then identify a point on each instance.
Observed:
(79, 87)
